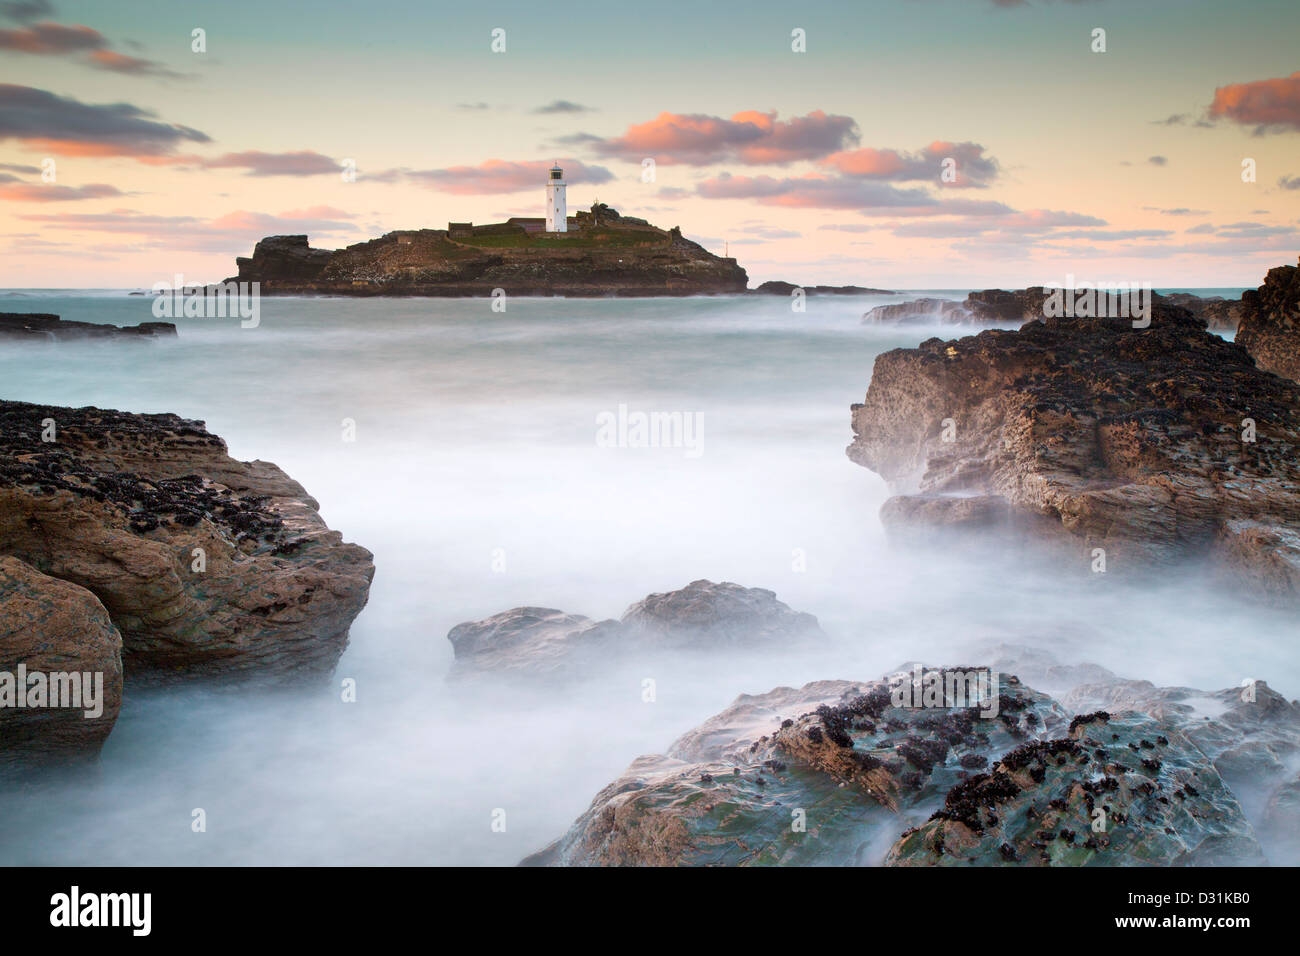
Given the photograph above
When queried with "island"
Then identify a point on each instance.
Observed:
(599, 253)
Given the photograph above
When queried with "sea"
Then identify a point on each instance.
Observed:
(463, 446)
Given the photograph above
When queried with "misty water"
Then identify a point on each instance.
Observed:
(476, 444)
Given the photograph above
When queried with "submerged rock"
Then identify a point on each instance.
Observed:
(1157, 445)
(1270, 324)
(42, 326)
(703, 615)
(206, 565)
(62, 632)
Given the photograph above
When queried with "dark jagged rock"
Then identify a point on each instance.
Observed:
(40, 326)
(118, 503)
(1095, 435)
(55, 627)
(1220, 314)
(606, 255)
(536, 641)
(1000, 307)
(1270, 323)
(776, 287)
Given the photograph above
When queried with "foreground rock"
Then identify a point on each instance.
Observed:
(1270, 325)
(56, 644)
(41, 326)
(535, 641)
(839, 773)
(609, 255)
(206, 565)
(1000, 307)
(1088, 433)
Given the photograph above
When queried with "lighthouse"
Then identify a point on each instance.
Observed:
(556, 211)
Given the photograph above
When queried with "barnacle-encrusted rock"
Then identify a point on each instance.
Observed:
(1157, 444)
(206, 565)
(61, 632)
(1270, 322)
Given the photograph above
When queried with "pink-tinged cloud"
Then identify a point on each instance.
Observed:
(53, 192)
(256, 163)
(1260, 103)
(67, 127)
(966, 164)
(46, 39)
(227, 233)
(503, 176)
(868, 197)
(57, 39)
(750, 137)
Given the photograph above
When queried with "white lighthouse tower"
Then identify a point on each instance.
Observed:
(557, 215)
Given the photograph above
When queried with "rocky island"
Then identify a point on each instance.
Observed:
(602, 254)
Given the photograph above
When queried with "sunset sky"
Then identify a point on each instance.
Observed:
(820, 166)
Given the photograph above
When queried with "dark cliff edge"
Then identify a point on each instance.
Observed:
(605, 255)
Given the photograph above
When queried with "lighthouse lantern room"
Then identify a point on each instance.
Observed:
(556, 211)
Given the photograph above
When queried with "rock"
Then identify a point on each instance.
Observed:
(1270, 322)
(52, 627)
(540, 641)
(1113, 791)
(776, 287)
(537, 641)
(1096, 435)
(42, 326)
(920, 311)
(287, 259)
(617, 256)
(1220, 314)
(119, 504)
(998, 306)
(834, 773)
(717, 615)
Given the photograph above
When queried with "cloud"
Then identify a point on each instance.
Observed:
(473, 106)
(257, 163)
(1178, 211)
(26, 10)
(57, 39)
(65, 126)
(502, 176)
(50, 192)
(972, 168)
(1157, 160)
(868, 197)
(748, 137)
(1182, 119)
(225, 234)
(1289, 182)
(564, 106)
(19, 168)
(51, 39)
(1264, 104)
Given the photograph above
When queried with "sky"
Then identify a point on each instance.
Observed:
(902, 144)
